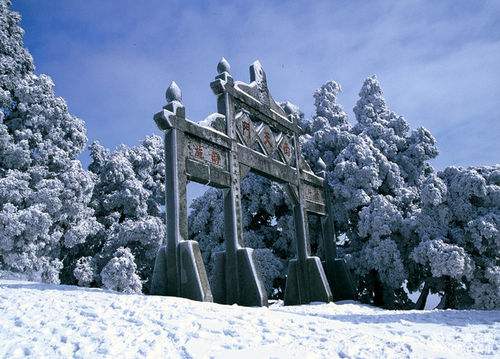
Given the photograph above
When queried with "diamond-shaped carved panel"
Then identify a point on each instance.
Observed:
(286, 149)
(245, 128)
(267, 139)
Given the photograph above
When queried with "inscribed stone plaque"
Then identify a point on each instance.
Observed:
(286, 149)
(267, 139)
(202, 151)
(245, 128)
(313, 194)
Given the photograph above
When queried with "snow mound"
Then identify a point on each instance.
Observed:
(43, 320)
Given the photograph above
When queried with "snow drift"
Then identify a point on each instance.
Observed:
(43, 320)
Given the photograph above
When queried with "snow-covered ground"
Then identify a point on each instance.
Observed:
(42, 320)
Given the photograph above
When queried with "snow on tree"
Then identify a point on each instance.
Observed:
(128, 200)
(391, 134)
(459, 231)
(367, 191)
(84, 271)
(375, 170)
(44, 192)
(206, 225)
(328, 132)
(120, 273)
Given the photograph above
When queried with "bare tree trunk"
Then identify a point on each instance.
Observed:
(378, 289)
(448, 300)
(422, 299)
(442, 302)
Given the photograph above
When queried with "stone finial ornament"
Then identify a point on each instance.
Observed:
(173, 93)
(223, 66)
(257, 73)
(321, 165)
(289, 108)
(292, 112)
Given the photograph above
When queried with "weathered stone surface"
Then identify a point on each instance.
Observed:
(336, 270)
(218, 283)
(179, 268)
(340, 279)
(223, 66)
(246, 128)
(159, 278)
(193, 279)
(206, 152)
(220, 157)
(286, 149)
(250, 289)
(306, 282)
(173, 93)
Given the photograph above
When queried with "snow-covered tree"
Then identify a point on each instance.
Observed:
(120, 272)
(128, 200)
(390, 133)
(84, 271)
(375, 170)
(459, 232)
(44, 192)
(383, 185)
(328, 132)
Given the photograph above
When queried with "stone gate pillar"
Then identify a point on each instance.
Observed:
(336, 270)
(306, 281)
(236, 279)
(179, 269)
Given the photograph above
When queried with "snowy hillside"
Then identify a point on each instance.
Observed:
(42, 320)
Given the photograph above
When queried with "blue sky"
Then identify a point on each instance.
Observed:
(438, 61)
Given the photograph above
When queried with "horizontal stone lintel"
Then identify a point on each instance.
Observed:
(316, 208)
(207, 174)
(205, 133)
(267, 167)
(311, 178)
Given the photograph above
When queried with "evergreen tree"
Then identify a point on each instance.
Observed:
(120, 273)
(375, 169)
(128, 200)
(459, 232)
(375, 181)
(327, 134)
(44, 192)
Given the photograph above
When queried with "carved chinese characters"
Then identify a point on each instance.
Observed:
(245, 128)
(286, 149)
(205, 152)
(313, 194)
(267, 139)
